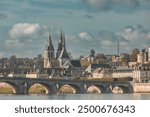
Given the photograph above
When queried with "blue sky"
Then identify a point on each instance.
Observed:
(97, 24)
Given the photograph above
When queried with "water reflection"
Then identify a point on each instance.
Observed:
(135, 96)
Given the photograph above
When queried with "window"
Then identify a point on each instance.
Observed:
(146, 74)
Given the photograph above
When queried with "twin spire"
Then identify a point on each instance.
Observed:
(61, 50)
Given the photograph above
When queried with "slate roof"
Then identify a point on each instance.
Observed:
(75, 63)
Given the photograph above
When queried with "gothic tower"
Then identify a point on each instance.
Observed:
(64, 56)
(60, 44)
(48, 53)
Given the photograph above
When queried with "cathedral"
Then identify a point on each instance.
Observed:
(60, 62)
(61, 55)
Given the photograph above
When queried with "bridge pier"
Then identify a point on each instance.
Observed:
(82, 92)
(23, 89)
(83, 89)
(54, 89)
(108, 90)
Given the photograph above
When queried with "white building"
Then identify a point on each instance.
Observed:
(122, 72)
(141, 57)
(141, 73)
(149, 54)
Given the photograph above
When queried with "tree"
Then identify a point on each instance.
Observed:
(133, 56)
(125, 59)
(85, 63)
(38, 61)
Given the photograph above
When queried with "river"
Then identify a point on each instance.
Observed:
(134, 96)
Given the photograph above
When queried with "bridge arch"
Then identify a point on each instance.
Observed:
(10, 85)
(39, 88)
(69, 88)
(96, 89)
(120, 89)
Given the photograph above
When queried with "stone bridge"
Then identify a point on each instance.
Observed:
(53, 86)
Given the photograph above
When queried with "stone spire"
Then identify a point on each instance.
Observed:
(60, 44)
(49, 52)
(64, 54)
(50, 46)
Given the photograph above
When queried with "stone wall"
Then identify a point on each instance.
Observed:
(141, 87)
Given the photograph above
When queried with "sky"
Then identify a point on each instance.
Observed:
(88, 24)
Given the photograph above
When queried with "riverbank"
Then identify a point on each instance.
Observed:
(141, 87)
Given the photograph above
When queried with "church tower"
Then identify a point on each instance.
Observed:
(48, 53)
(60, 44)
(64, 56)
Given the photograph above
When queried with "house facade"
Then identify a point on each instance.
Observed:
(141, 73)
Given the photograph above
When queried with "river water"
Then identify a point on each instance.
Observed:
(134, 96)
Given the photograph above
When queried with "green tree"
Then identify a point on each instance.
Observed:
(125, 59)
(133, 56)
(84, 63)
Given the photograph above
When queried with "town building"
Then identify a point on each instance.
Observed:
(122, 72)
(144, 56)
(102, 73)
(141, 73)
(93, 67)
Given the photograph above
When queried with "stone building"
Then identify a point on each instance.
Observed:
(102, 73)
(61, 64)
(141, 73)
(93, 67)
(122, 72)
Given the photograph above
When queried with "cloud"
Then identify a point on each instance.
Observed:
(132, 36)
(103, 5)
(137, 35)
(24, 29)
(88, 16)
(85, 36)
(102, 42)
(69, 12)
(116, 5)
(135, 32)
(25, 39)
(3, 16)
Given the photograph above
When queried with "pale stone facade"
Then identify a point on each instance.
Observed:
(122, 72)
(141, 73)
(102, 73)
